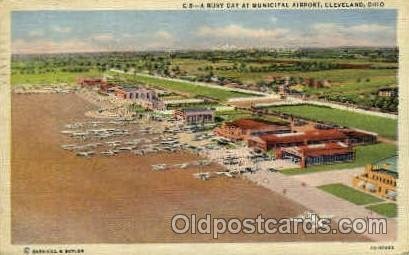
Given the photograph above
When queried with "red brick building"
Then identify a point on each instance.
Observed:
(317, 154)
(87, 82)
(276, 141)
(242, 129)
(359, 137)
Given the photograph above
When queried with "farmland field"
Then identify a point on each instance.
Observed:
(352, 81)
(186, 87)
(364, 155)
(383, 126)
(50, 77)
(347, 79)
(357, 83)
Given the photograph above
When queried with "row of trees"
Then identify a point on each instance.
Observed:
(273, 67)
(387, 104)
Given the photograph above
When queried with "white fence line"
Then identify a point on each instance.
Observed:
(295, 101)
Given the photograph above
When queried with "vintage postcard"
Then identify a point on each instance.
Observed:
(226, 127)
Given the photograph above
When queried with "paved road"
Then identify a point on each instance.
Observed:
(209, 85)
(319, 201)
(289, 100)
(343, 176)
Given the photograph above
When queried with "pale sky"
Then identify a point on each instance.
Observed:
(89, 31)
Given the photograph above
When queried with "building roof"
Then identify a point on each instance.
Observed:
(315, 135)
(388, 164)
(128, 89)
(196, 110)
(357, 133)
(320, 149)
(388, 89)
(91, 80)
(255, 124)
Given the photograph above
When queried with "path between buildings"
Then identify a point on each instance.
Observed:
(319, 201)
(343, 176)
(387, 140)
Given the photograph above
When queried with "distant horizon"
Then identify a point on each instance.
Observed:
(57, 32)
(205, 50)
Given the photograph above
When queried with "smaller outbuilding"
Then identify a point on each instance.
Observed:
(379, 178)
(195, 116)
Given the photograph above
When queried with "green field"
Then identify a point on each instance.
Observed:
(186, 87)
(387, 209)
(350, 194)
(232, 115)
(241, 114)
(383, 126)
(50, 78)
(364, 155)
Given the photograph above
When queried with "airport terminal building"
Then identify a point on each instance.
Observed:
(317, 154)
(243, 129)
(277, 141)
(379, 178)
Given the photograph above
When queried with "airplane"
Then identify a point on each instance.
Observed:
(234, 172)
(85, 153)
(205, 162)
(67, 131)
(202, 176)
(76, 134)
(159, 167)
(108, 153)
(248, 170)
(90, 145)
(182, 166)
(131, 143)
(72, 125)
(113, 143)
(101, 136)
(126, 148)
(225, 173)
(68, 146)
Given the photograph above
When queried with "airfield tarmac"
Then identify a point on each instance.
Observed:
(58, 197)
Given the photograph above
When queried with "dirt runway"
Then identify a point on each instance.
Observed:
(58, 197)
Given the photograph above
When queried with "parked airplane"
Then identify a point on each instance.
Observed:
(159, 167)
(67, 132)
(202, 176)
(68, 146)
(85, 153)
(182, 166)
(108, 153)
